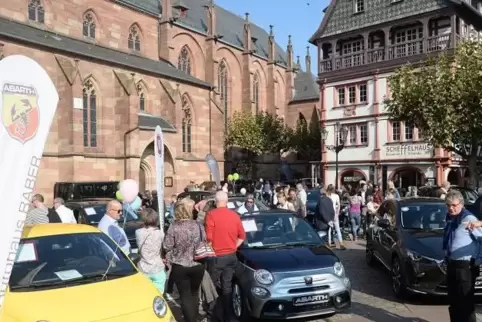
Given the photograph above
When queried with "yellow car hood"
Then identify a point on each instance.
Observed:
(83, 303)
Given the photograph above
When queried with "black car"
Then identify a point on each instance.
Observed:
(285, 271)
(195, 195)
(469, 194)
(407, 240)
(91, 211)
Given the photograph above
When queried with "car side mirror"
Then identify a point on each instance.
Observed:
(383, 223)
(134, 257)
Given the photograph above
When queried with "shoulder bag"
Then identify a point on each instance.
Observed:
(204, 250)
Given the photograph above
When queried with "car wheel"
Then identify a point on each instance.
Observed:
(370, 257)
(239, 307)
(398, 280)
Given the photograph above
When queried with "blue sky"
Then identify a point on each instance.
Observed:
(298, 18)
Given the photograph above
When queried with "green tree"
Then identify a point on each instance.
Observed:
(306, 139)
(443, 100)
(256, 135)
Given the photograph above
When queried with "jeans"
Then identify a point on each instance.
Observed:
(188, 281)
(336, 223)
(355, 220)
(461, 277)
(222, 270)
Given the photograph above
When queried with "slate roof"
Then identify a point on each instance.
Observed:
(59, 43)
(306, 88)
(340, 17)
(228, 24)
(149, 122)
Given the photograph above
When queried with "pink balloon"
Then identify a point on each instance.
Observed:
(129, 189)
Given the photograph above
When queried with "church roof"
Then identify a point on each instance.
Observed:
(228, 24)
(63, 44)
(306, 88)
(340, 17)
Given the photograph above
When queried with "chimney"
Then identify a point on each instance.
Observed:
(308, 60)
(289, 53)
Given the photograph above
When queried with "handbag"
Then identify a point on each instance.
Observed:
(138, 258)
(204, 250)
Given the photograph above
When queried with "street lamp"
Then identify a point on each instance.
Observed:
(341, 134)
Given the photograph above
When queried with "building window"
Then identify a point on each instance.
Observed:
(341, 96)
(408, 131)
(352, 137)
(396, 131)
(256, 92)
(362, 93)
(359, 6)
(36, 11)
(184, 61)
(89, 115)
(223, 89)
(357, 134)
(363, 134)
(88, 29)
(134, 40)
(186, 125)
(352, 95)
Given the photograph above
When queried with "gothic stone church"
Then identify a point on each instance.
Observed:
(122, 67)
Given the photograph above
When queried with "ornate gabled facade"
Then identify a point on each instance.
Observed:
(123, 67)
(360, 43)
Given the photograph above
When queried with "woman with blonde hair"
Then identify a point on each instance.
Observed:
(182, 239)
(149, 240)
(331, 193)
(391, 187)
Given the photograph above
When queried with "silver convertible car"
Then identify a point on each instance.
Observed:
(285, 271)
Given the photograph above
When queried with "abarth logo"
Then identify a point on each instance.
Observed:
(311, 299)
(308, 280)
(20, 113)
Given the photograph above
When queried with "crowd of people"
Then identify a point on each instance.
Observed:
(197, 254)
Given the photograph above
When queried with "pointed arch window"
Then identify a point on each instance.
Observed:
(256, 92)
(223, 89)
(142, 97)
(134, 40)
(184, 62)
(89, 115)
(36, 11)
(88, 27)
(186, 125)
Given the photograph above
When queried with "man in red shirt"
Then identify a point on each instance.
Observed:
(225, 233)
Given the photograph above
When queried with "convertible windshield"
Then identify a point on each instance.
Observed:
(423, 216)
(268, 230)
(94, 214)
(66, 260)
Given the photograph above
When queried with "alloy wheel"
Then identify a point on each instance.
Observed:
(236, 298)
(396, 277)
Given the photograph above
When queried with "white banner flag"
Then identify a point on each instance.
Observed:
(28, 103)
(159, 150)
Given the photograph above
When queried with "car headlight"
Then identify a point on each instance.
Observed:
(159, 306)
(264, 277)
(338, 269)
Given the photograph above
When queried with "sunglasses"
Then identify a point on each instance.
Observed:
(250, 201)
(117, 210)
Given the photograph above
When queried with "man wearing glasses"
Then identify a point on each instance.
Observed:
(248, 208)
(109, 225)
(461, 245)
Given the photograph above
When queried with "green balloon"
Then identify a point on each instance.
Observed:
(230, 177)
(236, 177)
(118, 196)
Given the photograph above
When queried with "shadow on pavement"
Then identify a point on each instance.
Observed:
(377, 314)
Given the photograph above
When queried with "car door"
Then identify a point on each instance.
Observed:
(375, 236)
(388, 236)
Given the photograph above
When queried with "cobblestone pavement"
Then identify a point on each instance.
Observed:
(373, 299)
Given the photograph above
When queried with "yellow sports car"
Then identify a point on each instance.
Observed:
(75, 273)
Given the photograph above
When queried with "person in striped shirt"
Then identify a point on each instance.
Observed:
(38, 214)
